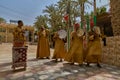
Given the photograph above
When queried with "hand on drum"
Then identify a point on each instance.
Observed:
(64, 40)
(91, 37)
(80, 37)
(84, 37)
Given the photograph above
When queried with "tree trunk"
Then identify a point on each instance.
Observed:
(115, 16)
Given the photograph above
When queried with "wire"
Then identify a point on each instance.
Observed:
(17, 12)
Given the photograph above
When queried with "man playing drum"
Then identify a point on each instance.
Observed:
(60, 51)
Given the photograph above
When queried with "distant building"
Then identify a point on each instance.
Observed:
(7, 29)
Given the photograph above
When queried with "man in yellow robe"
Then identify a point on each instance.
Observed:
(75, 53)
(59, 52)
(43, 49)
(18, 35)
(94, 47)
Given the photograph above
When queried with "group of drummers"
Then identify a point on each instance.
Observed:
(77, 53)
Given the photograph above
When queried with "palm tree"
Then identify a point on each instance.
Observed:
(72, 7)
(62, 5)
(99, 11)
(81, 4)
(53, 14)
(40, 20)
(64, 8)
(75, 11)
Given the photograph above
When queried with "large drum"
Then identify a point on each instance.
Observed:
(19, 57)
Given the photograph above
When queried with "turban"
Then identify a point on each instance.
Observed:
(76, 25)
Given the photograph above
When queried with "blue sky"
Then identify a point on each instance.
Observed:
(27, 10)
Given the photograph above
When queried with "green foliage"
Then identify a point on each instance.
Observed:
(54, 13)
(101, 10)
(41, 20)
(2, 20)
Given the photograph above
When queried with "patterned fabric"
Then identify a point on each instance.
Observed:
(18, 37)
(18, 34)
(19, 56)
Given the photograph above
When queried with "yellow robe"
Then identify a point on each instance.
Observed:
(94, 49)
(43, 49)
(59, 51)
(75, 53)
(18, 37)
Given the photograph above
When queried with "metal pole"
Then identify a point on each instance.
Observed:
(6, 34)
(68, 26)
(95, 13)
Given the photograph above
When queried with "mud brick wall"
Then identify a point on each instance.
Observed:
(115, 16)
(111, 52)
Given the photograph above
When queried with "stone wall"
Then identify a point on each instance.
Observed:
(115, 11)
(111, 52)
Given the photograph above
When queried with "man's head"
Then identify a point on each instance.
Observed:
(76, 26)
(97, 30)
(20, 23)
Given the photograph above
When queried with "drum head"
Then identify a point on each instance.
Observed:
(62, 34)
